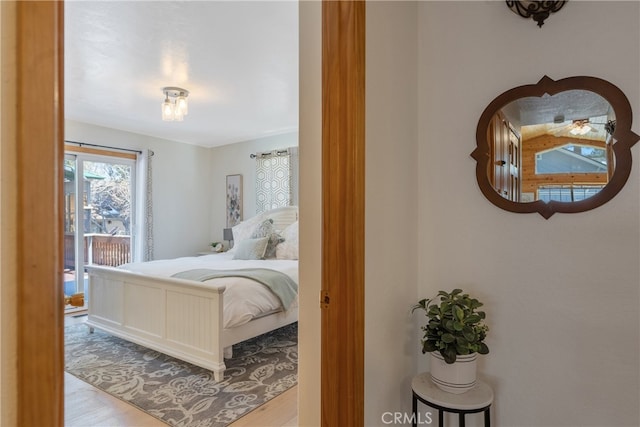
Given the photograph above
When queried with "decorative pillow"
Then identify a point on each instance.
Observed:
(289, 248)
(251, 248)
(266, 229)
(243, 231)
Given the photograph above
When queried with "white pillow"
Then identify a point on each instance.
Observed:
(289, 248)
(280, 217)
(251, 248)
(243, 231)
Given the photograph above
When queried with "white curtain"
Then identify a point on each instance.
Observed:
(276, 179)
(143, 243)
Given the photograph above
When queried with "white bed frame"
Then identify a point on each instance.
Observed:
(181, 318)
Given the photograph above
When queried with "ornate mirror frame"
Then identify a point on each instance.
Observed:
(623, 140)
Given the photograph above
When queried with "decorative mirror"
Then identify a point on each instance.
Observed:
(555, 146)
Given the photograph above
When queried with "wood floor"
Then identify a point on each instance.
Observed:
(85, 405)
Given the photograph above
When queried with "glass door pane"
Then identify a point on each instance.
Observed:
(98, 215)
(70, 226)
(108, 211)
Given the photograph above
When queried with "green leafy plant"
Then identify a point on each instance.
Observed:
(455, 325)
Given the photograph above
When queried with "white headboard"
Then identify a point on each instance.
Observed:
(282, 217)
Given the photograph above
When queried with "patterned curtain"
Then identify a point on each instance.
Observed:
(273, 180)
(143, 244)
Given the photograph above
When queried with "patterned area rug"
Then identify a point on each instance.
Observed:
(177, 392)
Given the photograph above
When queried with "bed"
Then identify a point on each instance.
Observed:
(198, 317)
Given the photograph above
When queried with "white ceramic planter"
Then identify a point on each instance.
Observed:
(454, 378)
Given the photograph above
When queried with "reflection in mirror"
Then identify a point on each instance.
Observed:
(556, 146)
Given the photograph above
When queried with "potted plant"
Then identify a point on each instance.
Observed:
(216, 246)
(454, 336)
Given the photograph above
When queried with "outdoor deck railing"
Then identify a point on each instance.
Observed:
(99, 249)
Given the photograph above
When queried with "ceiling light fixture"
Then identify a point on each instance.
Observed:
(580, 127)
(538, 10)
(174, 106)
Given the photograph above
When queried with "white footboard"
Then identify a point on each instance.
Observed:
(177, 317)
(181, 318)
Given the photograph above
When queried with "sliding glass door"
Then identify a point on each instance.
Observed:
(99, 214)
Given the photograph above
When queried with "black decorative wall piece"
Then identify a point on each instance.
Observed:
(538, 10)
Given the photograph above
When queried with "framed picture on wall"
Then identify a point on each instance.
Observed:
(234, 200)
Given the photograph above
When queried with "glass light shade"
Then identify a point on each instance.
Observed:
(580, 130)
(178, 116)
(181, 104)
(167, 111)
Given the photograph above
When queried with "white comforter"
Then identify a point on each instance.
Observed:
(244, 298)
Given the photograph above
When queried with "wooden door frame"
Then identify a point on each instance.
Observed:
(343, 174)
(40, 129)
(39, 149)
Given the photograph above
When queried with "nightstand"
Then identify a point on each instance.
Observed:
(478, 399)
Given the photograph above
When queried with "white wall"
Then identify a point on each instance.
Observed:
(310, 197)
(233, 159)
(391, 207)
(181, 187)
(561, 294)
(188, 183)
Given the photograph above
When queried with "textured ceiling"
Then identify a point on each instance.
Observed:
(554, 115)
(567, 105)
(238, 59)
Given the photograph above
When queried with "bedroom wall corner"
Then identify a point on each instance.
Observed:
(181, 191)
(233, 159)
(391, 218)
(310, 45)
